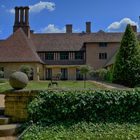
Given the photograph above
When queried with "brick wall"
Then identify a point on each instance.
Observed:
(16, 104)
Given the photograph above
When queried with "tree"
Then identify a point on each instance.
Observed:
(85, 70)
(27, 70)
(126, 69)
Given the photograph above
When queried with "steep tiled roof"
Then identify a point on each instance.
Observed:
(18, 48)
(71, 42)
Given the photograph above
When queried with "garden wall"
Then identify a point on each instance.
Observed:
(16, 104)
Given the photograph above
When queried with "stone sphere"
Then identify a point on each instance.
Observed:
(18, 80)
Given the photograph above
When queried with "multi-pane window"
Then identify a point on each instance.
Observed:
(48, 74)
(102, 55)
(64, 55)
(49, 56)
(1, 72)
(64, 74)
(79, 55)
(103, 44)
(79, 76)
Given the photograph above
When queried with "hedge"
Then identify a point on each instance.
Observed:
(86, 105)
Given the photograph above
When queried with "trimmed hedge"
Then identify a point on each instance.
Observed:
(88, 105)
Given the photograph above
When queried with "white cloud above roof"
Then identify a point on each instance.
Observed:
(51, 28)
(38, 7)
(121, 25)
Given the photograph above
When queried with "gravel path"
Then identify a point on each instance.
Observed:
(7, 138)
(111, 85)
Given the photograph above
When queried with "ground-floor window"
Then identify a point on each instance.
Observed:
(79, 76)
(48, 73)
(64, 74)
(1, 72)
(32, 74)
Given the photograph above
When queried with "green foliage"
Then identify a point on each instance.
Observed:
(127, 66)
(88, 105)
(85, 70)
(18, 80)
(84, 131)
(1, 74)
(102, 74)
(27, 70)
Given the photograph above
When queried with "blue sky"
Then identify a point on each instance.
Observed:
(53, 15)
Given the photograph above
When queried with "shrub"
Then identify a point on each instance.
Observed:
(27, 70)
(102, 74)
(18, 80)
(102, 105)
(127, 65)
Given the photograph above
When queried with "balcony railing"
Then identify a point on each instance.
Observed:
(65, 62)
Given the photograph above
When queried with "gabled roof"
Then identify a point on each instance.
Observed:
(111, 60)
(72, 41)
(18, 48)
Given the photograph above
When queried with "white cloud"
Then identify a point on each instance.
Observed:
(38, 7)
(51, 28)
(121, 25)
(12, 11)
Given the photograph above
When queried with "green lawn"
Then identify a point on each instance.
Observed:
(85, 131)
(42, 85)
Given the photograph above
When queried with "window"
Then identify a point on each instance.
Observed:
(79, 76)
(48, 74)
(103, 44)
(102, 55)
(64, 72)
(1, 72)
(64, 55)
(79, 55)
(49, 56)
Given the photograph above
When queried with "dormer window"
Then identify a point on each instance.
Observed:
(49, 56)
(64, 55)
(103, 44)
(79, 55)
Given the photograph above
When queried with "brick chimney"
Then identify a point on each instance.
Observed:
(22, 20)
(88, 27)
(69, 28)
(134, 27)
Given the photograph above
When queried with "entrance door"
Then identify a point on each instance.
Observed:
(48, 73)
(64, 72)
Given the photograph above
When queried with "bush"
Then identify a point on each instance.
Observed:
(102, 105)
(18, 80)
(27, 70)
(102, 74)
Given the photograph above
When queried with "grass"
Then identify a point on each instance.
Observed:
(84, 131)
(42, 85)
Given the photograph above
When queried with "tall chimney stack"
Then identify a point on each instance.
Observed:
(22, 20)
(88, 27)
(69, 28)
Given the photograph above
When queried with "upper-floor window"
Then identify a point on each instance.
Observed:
(79, 55)
(64, 55)
(102, 55)
(1, 72)
(49, 56)
(103, 44)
